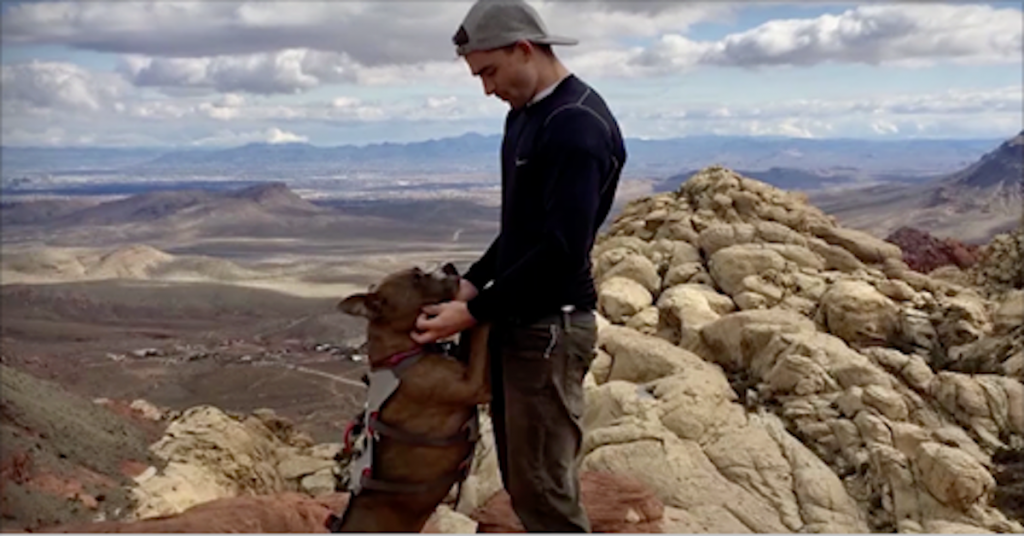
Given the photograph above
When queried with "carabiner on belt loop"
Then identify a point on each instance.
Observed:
(567, 310)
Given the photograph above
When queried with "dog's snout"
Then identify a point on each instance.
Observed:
(450, 269)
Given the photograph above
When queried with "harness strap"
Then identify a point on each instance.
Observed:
(468, 433)
(383, 381)
(447, 479)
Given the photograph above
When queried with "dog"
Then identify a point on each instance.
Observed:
(420, 422)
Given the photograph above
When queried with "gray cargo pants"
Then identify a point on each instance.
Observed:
(537, 404)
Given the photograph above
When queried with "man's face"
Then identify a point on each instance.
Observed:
(509, 74)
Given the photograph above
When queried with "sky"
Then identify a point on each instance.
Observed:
(222, 73)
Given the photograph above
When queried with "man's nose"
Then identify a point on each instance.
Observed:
(488, 87)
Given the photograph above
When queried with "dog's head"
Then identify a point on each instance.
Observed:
(398, 299)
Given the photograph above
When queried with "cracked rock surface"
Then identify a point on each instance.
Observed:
(764, 369)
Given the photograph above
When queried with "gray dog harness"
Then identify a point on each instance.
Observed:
(384, 382)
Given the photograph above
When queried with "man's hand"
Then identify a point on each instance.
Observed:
(441, 320)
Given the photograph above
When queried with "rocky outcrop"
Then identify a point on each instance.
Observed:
(787, 374)
(1010, 478)
(1000, 264)
(287, 512)
(924, 252)
(64, 458)
(614, 503)
(211, 455)
(267, 514)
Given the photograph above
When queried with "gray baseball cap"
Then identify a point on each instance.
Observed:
(492, 24)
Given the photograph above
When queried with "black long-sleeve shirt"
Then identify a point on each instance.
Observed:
(561, 160)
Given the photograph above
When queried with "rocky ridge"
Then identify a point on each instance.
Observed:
(1000, 268)
(767, 369)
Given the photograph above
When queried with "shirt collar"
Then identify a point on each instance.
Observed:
(546, 91)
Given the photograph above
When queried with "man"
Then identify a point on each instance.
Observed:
(561, 158)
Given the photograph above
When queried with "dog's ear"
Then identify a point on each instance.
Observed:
(365, 305)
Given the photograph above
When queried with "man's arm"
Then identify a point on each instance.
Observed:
(575, 157)
(482, 270)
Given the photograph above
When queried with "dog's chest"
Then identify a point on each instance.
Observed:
(383, 384)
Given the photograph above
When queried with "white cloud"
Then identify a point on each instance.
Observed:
(57, 86)
(227, 138)
(284, 71)
(790, 127)
(290, 71)
(434, 103)
(600, 24)
(73, 136)
(903, 34)
(993, 112)
(370, 33)
(231, 73)
(884, 127)
(45, 136)
(269, 48)
(276, 135)
(1006, 100)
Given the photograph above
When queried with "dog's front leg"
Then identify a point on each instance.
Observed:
(469, 386)
(479, 368)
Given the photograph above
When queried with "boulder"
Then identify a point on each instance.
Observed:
(615, 503)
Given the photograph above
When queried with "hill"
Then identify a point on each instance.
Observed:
(789, 178)
(64, 457)
(271, 210)
(253, 203)
(971, 205)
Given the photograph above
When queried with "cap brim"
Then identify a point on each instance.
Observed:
(556, 40)
(465, 49)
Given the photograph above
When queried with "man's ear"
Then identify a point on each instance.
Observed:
(364, 305)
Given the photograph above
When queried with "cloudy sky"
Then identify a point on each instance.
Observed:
(220, 73)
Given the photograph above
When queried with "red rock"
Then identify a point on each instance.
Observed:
(923, 252)
(614, 502)
(16, 467)
(89, 501)
(285, 512)
(53, 484)
(132, 468)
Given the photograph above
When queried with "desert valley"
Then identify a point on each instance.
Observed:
(170, 342)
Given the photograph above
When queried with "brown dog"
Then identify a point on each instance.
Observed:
(422, 439)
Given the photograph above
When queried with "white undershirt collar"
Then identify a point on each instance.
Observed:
(546, 91)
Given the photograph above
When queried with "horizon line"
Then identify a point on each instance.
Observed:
(478, 134)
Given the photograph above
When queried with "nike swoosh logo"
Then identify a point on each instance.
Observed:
(521, 162)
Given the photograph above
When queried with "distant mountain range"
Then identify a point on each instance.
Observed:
(1000, 168)
(187, 206)
(479, 153)
(971, 204)
(267, 210)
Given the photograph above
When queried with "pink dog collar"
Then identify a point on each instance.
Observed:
(394, 360)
